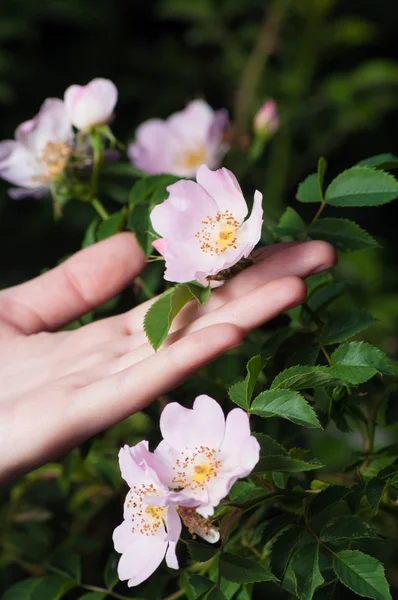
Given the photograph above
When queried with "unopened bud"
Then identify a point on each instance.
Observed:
(266, 120)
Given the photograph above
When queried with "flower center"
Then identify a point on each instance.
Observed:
(193, 158)
(53, 159)
(218, 234)
(145, 519)
(197, 468)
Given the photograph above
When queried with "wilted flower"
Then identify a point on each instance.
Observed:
(183, 142)
(266, 120)
(202, 226)
(204, 452)
(149, 532)
(92, 104)
(40, 151)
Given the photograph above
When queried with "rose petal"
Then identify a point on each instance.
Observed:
(224, 188)
(142, 557)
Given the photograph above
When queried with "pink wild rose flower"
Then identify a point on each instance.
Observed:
(181, 143)
(203, 226)
(40, 151)
(92, 104)
(205, 453)
(149, 533)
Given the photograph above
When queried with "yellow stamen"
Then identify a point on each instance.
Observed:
(193, 158)
(54, 157)
(219, 233)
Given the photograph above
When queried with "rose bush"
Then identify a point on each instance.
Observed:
(285, 484)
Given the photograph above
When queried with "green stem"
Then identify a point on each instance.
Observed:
(316, 217)
(148, 293)
(101, 210)
(94, 588)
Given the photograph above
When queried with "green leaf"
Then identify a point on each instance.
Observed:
(200, 584)
(141, 190)
(243, 491)
(302, 377)
(305, 566)
(22, 590)
(326, 499)
(385, 161)
(374, 491)
(308, 190)
(343, 234)
(347, 528)
(159, 317)
(322, 166)
(356, 362)
(139, 222)
(285, 464)
(111, 577)
(241, 393)
(112, 225)
(51, 587)
(362, 574)
(216, 594)
(243, 570)
(201, 293)
(362, 186)
(201, 552)
(269, 446)
(286, 404)
(90, 236)
(67, 564)
(291, 225)
(322, 297)
(345, 323)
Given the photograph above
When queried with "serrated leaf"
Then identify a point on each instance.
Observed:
(286, 404)
(343, 234)
(201, 552)
(308, 190)
(326, 499)
(374, 491)
(347, 528)
(243, 491)
(67, 564)
(269, 446)
(356, 362)
(201, 293)
(112, 225)
(322, 297)
(285, 464)
(291, 225)
(362, 574)
(362, 186)
(200, 584)
(216, 594)
(345, 323)
(159, 317)
(243, 570)
(380, 161)
(241, 393)
(302, 377)
(305, 566)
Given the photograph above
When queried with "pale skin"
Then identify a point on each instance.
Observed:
(59, 388)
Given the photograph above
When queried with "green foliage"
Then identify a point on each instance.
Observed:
(363, 574)
(343, 234)
(285, 404)
(243, 570)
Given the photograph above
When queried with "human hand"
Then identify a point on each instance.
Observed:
(58, 389)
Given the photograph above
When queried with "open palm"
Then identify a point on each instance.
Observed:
(58, 389)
